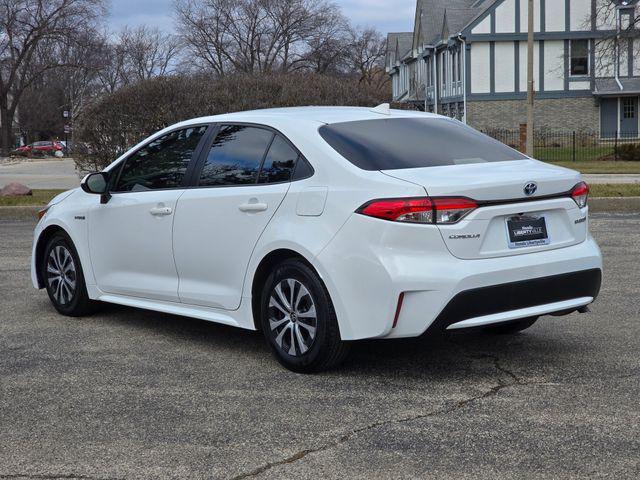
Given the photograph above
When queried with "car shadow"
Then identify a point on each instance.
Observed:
(435, 356)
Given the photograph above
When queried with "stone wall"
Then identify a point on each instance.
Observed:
(573, 114)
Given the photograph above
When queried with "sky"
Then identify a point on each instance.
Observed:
(385, 15)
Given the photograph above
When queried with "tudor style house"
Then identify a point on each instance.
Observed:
(468, 59)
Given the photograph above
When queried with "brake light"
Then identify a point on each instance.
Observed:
(424, 210)
(409, 210)
(580, 194)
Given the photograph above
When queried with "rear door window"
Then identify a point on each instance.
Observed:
(397, 143)
(235, 156)
(279, 163)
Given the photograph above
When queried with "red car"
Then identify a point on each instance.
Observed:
(42, 148)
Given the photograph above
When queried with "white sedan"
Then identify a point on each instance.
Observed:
(321, 226)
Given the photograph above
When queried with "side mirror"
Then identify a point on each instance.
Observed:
(98, 184)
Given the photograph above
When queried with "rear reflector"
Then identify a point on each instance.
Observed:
(580, 194)
(398, 310)
(424, 210)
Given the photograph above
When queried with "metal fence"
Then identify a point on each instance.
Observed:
(570, 146)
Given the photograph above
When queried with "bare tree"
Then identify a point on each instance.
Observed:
(80, 84)
(147, 52)
(111, 74)
(32, 34)
(326, 46)
(365, 55)
(251, 36)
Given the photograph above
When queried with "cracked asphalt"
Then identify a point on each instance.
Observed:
(130, 394)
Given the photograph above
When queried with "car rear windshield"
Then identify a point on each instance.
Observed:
(396, 143)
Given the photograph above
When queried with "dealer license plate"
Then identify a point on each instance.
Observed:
(527, 231)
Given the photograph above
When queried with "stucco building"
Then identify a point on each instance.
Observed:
(468, 59)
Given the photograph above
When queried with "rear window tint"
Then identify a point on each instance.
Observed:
(396, 143)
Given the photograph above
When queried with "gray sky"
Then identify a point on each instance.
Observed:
(386, 15)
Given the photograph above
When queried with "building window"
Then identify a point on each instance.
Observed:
(626, 18)
(579, 58)
(629, 108)
(454, 61)
(444, 68)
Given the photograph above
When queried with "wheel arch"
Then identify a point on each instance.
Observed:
(262, 272)
(41, 244)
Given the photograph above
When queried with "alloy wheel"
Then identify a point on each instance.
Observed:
(61, 274)
(292, 317)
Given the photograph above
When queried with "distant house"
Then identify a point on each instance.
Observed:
(468, 59)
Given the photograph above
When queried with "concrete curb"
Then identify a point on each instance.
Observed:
(596, 205)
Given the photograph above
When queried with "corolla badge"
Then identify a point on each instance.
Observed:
(472, 236)
(530, 188)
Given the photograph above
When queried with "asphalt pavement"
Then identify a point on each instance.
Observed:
(131, 394)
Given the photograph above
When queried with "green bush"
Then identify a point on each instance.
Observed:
(629, 152)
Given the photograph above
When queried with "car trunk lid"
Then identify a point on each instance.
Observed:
(507, 221)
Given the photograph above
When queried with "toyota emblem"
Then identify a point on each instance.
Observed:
(530, 188)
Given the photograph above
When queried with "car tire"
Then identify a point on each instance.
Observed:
(298, 319)
(510, 328)
(63, 277)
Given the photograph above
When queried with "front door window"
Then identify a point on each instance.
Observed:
(162, 163)
(629, 108)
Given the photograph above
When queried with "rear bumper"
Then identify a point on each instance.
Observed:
(511, 301)
(366, 278)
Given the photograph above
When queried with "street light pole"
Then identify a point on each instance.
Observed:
(530, 81)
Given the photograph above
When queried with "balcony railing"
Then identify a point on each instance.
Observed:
(453, 89)
(431, 94)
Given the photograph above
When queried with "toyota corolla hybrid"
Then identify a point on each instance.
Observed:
(320, 226)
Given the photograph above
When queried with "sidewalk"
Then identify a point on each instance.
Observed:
(615, 178)
(41, 174)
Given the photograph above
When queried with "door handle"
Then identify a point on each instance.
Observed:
(161, 211)
(253, 207)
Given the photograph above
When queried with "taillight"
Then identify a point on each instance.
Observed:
(409, 210)
(425, 210)
(452, 210)
(580, 194)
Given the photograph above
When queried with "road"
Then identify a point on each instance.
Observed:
(51, 173)
(130, 394)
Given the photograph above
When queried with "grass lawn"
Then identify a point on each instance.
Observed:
(609, 190)
(596, 166)
(39, 197)
(565, 154)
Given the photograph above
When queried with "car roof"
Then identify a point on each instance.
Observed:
(323, 115)
(292, 117)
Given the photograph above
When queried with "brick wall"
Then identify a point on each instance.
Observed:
(579, 114)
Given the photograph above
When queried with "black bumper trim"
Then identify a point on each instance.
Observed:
(506, 297)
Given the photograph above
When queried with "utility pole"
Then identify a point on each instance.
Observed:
(530, 84)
